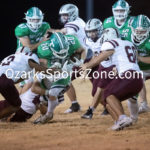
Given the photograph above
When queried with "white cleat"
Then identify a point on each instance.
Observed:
(44, 119)
(144, 108)
(121, 124)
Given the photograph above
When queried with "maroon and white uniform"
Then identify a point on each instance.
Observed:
(29, 102)
(128, 82)
(125, 55)
(11, 70)
(14, 66)
(76, 28)
(104, 66)
(96, 48)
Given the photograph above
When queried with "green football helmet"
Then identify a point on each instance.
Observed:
(140, 29)
(120, 10)
(59, 45)
(34, 17)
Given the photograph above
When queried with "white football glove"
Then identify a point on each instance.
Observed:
(67, 67)
(56, 65)
(77, 62)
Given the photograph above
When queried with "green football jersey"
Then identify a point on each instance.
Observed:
(23, 30)
(143, 50)
(45, 52)
(124, 30)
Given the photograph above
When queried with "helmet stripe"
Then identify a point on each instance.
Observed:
(60, 41)
(34, 11)
(140, 20)
(120, 3)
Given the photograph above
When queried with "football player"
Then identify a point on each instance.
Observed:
(58, 51)
(31, 34)
(31, 101)
(128, 81)
(140, 37)
(120, 19)
(73, 25)
(14, 69)
(93, 30)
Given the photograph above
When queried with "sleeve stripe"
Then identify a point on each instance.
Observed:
(115, 42)
(70, 24)
(71, 27)
(22, 49)
(74, 25)
(112, 44)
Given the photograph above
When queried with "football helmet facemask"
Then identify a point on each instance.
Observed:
(94, 29)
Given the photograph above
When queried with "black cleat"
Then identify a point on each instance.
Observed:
(75, 107)
(88, 114)
(105, 112)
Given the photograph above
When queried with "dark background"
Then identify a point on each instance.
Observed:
(12, 14)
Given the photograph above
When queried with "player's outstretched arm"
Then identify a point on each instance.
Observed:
(26, 42)
(97, 60)
(144, 59)
(41, 68)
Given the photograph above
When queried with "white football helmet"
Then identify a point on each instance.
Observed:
(94, 29)
(70, 10)
(109, 34)
(120, 10)
(34, 17)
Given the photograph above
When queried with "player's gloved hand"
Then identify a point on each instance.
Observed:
(56, 65)
(67, 67)
(77, 62)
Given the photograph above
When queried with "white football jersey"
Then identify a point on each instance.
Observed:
(124, 56)
(96, 48)
(76, 28)
(27, 101)
(16, 66)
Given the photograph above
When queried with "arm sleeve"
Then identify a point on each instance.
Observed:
(71, 31)
(107, 46)
(72, 28)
